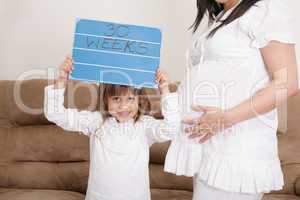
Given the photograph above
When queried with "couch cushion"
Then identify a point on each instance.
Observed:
(297, 186)
(289, 146)
(160, 194)
(290, 165)
(43, 175)
(42, 144)
(158, 152)
(280, 197)
(29, 194)
(43, 157)
(162, 180)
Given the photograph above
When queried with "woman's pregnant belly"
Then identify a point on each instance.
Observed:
(218, 84)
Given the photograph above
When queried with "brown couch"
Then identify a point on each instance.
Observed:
(38, 160)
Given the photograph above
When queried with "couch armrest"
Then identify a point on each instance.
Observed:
(297, 186)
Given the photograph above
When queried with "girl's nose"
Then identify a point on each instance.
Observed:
(124, 104)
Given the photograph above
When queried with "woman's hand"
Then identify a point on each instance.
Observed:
(163, 82)
(64, 70)
(213, 121)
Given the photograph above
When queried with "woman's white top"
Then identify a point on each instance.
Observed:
(224, 71)
(119, 152)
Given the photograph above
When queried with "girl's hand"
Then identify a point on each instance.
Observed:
(65, 69)
(163, 82)
(209, 124)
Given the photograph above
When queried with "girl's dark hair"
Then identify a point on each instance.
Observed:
(214, 8)
(109, 90)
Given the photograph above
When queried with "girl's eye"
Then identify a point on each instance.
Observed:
(115, 98)
(131, 98)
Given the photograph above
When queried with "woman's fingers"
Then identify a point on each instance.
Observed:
(193, 120)
(188, 121)
(205, 138)
(196, 132)
(193, 136)
(207, 125)
(199, 108)
(198, 129)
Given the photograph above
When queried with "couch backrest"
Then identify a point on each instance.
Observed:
(289, 143)
(24, 100)
(37, 154)
(33, 152)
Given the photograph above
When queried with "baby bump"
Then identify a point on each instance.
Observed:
(218, 84)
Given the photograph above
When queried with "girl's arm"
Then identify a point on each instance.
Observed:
(69, 119)
(168, 128)
(85, 122)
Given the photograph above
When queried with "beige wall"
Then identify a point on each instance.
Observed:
(37, 34)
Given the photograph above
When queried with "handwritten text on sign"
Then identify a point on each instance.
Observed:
(116, 53)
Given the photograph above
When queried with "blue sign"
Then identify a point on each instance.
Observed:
(113, 53)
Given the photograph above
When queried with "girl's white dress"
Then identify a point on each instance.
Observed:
(119, 152)
(224, 71)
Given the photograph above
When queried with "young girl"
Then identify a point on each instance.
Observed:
(120, 135)
(240, 69)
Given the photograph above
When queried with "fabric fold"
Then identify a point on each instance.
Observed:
(230, 174)
(183, 158)
(266, 21)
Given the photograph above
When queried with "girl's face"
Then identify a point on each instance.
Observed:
(123, 107)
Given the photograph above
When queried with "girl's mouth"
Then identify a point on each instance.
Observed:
(123, 114)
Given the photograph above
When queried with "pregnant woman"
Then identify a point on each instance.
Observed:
(240, 69)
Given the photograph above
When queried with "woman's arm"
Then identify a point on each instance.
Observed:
(280, 60)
